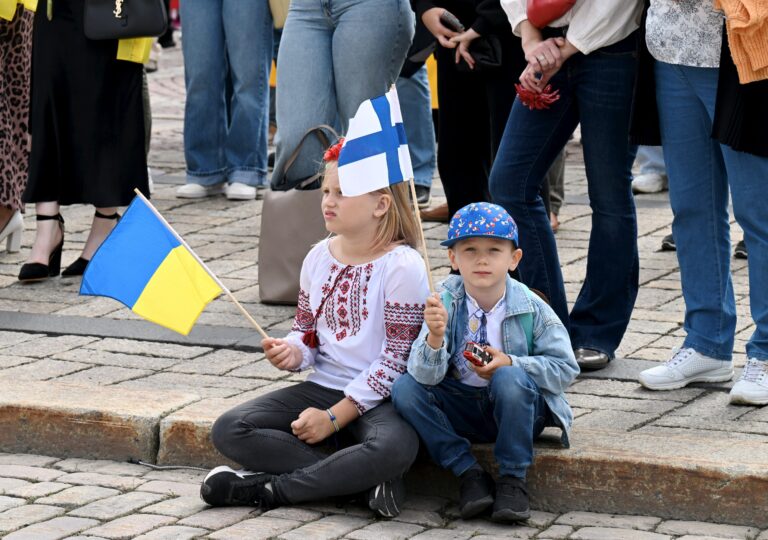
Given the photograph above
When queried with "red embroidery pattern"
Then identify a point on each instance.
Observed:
(347, 307)
(357, 405)
(402, 324)
(304, 320)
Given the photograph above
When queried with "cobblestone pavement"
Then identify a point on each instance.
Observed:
(49, 333)
(46, 498)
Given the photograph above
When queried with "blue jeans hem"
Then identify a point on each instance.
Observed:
(460, 464)
(707, 351)
(207, 179)
(517, 472)
(247, 176)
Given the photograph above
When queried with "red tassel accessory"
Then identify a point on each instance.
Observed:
(532, 100)
(332, 154)
(310, 339)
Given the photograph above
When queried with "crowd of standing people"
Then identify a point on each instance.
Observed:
(688, 78)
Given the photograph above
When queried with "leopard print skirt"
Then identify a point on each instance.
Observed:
(15, 64)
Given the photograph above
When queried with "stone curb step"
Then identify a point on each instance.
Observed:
(692, 477)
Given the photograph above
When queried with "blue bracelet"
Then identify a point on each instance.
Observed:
(333, 420)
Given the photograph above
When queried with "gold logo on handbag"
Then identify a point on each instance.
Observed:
(118, 11)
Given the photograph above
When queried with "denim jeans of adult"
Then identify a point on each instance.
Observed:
(596, 91)
(334, 54)
(416, 106)
(700, 172)
(449, 416)
(650, 160)
(225, 137)
(376, 447)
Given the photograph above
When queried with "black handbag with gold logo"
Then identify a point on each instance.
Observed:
(122, 19)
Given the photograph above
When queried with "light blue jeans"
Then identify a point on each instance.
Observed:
(225, 137)
(650, 159)
(700, 172)
(416, 106)
(334, 54)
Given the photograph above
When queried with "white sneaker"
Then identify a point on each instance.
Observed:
(752, 386)
(650, 183)
(237, 191)
(686, 366)
(196, 191)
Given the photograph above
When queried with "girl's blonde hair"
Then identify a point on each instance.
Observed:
(399, 224)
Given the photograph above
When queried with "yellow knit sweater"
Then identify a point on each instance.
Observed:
(747, 27)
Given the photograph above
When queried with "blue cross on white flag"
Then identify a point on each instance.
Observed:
(375, 153)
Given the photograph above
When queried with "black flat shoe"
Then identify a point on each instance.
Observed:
(590, 359)
(77, 268)
(32, 272)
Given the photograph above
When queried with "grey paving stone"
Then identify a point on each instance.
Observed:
(607, 533)
(260, 370)
(78, 496)
(42, 370)
(147, 348)
(10, 484)
(185, 476)
(30, 460)
(675, 527)
(293, 513)
(177, 489)
(26, 472)
(479, 526)
(46, 346)
(697, 537)
(620, 421)
(556, 532)
(130, 526)
(13, 338)
(256, 529)
(97, 479)
(7, 361)
(763, 536)
(105, 358)
(7, 503)
(40, 489)
(541, 519)
(326, 528)
(423, 502)
(102, 466)
(646, 406)
(179, 507)
(53, 529)
(631, 390)
(425, 518)
(173, 532)
(219, 518)
(443, 534)
(105, 375)
(21, 516)
(118, 505)
(386, 530)
(592, 519)
(218, 362)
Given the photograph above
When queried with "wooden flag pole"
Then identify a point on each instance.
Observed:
(224, 288)
(421, 235)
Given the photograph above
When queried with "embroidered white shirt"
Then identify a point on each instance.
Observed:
(592, 24)
(684, 32)
(372, 315)
(493, 322)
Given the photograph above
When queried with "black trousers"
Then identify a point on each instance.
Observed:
(376, 447)
(473, 113)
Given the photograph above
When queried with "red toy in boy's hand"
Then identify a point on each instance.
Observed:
(476, 354)
(539, 101)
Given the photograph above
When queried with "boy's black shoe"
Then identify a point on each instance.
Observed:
(387, 498)
(668, 243)
(226, 487)
(740, 252)
(511, 500)
(475, 492)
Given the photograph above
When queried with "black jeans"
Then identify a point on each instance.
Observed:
(376, 447)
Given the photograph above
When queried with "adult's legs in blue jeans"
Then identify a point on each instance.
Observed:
(332, 58)
(597, 91)
(205, 71)
(416, 106)
(248, 34)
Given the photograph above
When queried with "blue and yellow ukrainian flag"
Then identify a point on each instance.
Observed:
(146, 266)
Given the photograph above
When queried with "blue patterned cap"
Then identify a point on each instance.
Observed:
(481, 219)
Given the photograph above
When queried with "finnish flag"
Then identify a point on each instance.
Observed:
(375, 153)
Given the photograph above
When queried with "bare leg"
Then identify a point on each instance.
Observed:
(100, 228)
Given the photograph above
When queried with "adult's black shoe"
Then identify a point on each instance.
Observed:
(668, 243)
(590, 359)
(740, 251)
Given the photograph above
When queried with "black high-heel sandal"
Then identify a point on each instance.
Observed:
(77, 268)
(32, 272)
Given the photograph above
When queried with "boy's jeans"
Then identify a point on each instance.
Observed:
(416, 106)
(450, 416)
(700, 172)
(226, 140)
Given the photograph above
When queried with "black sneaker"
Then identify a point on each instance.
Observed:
(475, 493)
(740, 252)
(668, 243)
(387, 498)
(224, 486)
(511, 500)
(423, 196)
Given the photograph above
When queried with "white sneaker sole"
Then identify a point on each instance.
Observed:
(674, 385)
(744, 399)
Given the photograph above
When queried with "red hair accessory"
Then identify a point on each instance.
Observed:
(532, 100)
(332, 154)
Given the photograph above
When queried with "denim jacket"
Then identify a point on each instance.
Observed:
(552, 365)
